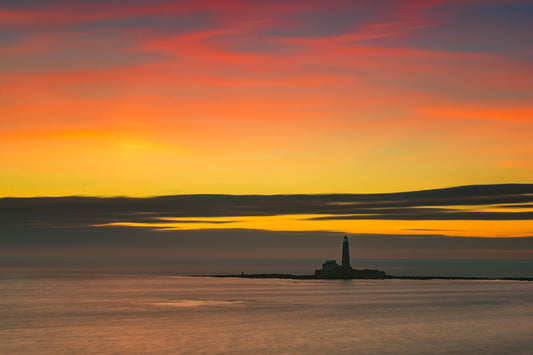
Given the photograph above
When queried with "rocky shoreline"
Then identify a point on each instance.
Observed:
(385, 277)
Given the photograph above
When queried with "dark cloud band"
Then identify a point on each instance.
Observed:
(459, 203)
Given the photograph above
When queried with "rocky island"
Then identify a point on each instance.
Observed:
(332, 271)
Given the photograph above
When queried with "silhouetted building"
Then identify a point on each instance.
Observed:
(332, 270)
(330, 265)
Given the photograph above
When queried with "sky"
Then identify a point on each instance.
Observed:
(267, 103)
(137, 98)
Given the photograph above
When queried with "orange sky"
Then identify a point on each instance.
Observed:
(125, 98)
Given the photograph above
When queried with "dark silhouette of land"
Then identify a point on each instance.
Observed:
(330, 270)
(333, 271)
(383, 277)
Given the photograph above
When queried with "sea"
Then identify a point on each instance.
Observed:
(54, 308)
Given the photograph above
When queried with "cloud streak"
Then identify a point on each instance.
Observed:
(460, 203)
(453, 223)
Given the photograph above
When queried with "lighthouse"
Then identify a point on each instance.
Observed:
(346, 254)
(332, 270)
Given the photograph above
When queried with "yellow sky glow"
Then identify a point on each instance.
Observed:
(302, 223)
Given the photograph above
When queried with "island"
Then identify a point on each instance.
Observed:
(332, 271)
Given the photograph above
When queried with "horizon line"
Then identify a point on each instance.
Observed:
(271, 194)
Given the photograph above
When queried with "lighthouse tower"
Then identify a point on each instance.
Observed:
(346, 254)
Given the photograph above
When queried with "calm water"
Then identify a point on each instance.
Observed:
(24, 266)
(124, 314)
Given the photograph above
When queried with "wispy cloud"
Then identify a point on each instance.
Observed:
(270, 90)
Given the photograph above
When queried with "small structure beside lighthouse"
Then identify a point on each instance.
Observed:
(332, 270)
